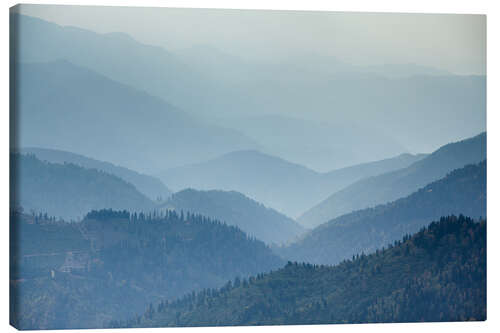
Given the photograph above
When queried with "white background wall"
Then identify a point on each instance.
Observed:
(491, 8)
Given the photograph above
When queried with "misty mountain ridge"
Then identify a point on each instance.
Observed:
(152, 187)
(287, 187)
(317, 145)
(72, 102)
(262, 177)
(236, 209)
(462, 191)
(269, 88)
(326, 85)
(115, 55)
(67, 190)
(390, 186)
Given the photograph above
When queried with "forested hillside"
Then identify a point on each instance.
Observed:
(67, 190)
(390, 186)
(150, 186)
(463, 191)
(236, 209)
(81, 275)
(438, 274)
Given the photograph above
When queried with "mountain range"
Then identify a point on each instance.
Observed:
(150, 186)
(462, 191)
(403, 106)
(287, 187)
(68, 190)
(390, 186)
(75, 103)
(317, 145)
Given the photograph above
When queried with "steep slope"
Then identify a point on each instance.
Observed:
(463, 191)
(393, 185)
(62, 106)
(80, 275)
(68, 190)
(438, 274)
(236, 209)
(150, 186)
(287, 187)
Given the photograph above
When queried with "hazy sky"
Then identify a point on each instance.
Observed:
(456, 43)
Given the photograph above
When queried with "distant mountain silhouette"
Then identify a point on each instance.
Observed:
(319, 145)
(236, 209)
(403, 101)
(62, 106)
(150, 186)
(314, 86)
(264, 178)
(115, 55)
(396, 184)
(287, 187)
(463, 191)
(340, 178)
(68, 190)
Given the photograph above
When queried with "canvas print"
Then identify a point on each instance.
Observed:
(176, 167)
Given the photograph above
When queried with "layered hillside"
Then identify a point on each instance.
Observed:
(68, 190)
(287, 187)
(150, 186)
(390, 186)
(400, 103)
(462, 191)
(87, 113)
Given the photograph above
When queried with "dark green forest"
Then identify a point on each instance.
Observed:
(80, 275)
(462, 191)
(438, 274)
